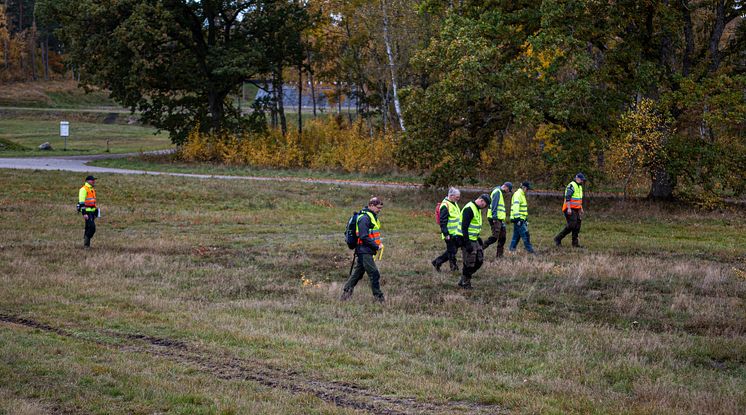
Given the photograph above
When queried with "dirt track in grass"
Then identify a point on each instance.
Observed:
(227, 367)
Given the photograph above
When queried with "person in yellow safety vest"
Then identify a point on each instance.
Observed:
(88, 207)
(519, 217)
(496, 217)
(368, 230)
(468, 237)
(449, 216)
(572, 208)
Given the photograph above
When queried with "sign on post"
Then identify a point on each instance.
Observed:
(64, 131)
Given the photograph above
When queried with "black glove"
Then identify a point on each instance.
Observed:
(480, 242)
(468, 248)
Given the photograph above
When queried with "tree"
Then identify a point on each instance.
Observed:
(175, 61)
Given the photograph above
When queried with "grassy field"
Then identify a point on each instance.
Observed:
(221, 297)
(85, 138)
(52, 94)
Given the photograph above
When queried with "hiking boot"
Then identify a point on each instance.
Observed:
(86, 242)
(346, 295)
(380, 299)
(465, 285)
(436, 265)
(557, 241)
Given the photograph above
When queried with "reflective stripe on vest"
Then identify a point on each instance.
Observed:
(576, 200)
(519, 208)
(90, 197)
(374, 232)
(454, 217)
(475, 226)
(500, 205)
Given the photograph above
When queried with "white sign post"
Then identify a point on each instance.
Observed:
(65, 131)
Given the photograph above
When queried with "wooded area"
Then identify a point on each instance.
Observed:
(633, 93)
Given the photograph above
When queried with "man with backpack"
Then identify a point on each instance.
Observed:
(368, 233)
(449, 215)
(496, 217)
(468, 234)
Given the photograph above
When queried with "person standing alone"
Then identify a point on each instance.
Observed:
(87, 206)
(572, 208)
(368, 231)
(449, 215)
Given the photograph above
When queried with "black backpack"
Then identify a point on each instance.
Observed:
(350, 234)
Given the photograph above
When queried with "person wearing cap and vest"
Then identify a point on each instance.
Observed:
(519, 217)
(449, 216)
(572, 209)
(368, 230)
(468, 235)
(496, 217)
(87, 206)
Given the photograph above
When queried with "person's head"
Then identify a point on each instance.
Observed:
(483, 201)
(580, 178)
(507, 187)
(91, 180)
(526, 186)
(454, 194)
(375, 205)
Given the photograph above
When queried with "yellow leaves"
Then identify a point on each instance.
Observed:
(538, 62)
(323, 145)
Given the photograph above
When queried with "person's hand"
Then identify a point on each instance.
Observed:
(448, 237)
(568, 212)
(85, 216)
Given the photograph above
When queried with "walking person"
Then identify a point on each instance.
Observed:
(87, 206)
(572, 209)
(471, 243)
(496, 218)
(519, 217)
(368, 231)
(449, 216)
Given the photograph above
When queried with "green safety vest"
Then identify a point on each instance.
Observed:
(500, 204)
(519, 208)
(454, 217)
(475, 227)
(576, 200)
(374, 231)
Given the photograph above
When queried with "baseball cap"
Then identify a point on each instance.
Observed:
(527, 185)
(486, 198)
(90, 178)
(581, 176)
(509, 185)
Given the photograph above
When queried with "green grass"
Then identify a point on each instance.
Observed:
(85, 138)
(649, 318)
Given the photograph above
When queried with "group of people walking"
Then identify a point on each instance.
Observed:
(462, 228)
(459, 228)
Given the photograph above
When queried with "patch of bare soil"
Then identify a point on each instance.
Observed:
(227, 367)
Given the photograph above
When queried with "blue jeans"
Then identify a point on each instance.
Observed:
(520, 230)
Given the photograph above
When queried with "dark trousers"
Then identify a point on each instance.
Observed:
(499, 235)
(365, 264)
(90, 228)
(449, 255)
(472, 261)
(520, 231)
(572, 226)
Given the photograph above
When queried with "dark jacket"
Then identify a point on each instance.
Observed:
(443, 220)
(466, 216)
(368, 246)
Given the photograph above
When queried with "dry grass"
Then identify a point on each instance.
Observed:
(646, 320)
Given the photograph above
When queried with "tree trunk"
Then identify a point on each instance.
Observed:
(280, 103)
(662, 185)
(339, 98)
(717, 33)
(45, 56)
(32, 50)
(310, 81)
(392, 66)
(215, 101)
(300, 100)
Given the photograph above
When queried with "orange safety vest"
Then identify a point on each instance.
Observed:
(90, 197)
(374, 232)
(576, 200)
